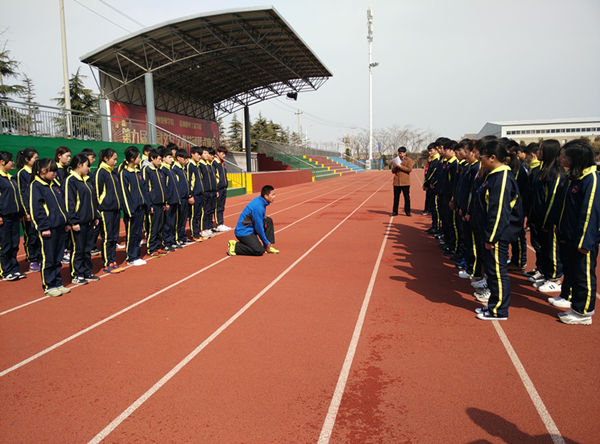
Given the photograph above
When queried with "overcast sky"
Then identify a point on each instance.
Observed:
(444, 66)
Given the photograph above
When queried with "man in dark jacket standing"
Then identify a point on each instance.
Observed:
(401, 168)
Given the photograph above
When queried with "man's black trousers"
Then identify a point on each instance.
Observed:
(251, 245)
(406, 192)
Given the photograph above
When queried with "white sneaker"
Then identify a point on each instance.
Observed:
(539, 283)
(223, 228)
(207, 233)
(481, 283)
(138, 262)
(535, 276)
(572, 317)
(560, 302)
(463, 274)
(550, 287)
(120, 247)
(482, 295)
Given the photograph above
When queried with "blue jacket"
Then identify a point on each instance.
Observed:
(252, 220)
(193, 175)
(579, 221)
(10, 203)
(499, 209)
(46, 205)
(24, 182)
(220, 173)
(134, 190)
(79, 199)
(108, 189)
(171, 192)
(155, 185)
(181, 179)
(207, 173)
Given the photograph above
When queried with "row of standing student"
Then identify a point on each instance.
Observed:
(50, 204)
(480, 193)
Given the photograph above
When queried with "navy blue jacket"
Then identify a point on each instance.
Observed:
(195, 181)
(207, 174)
(579, 221)
(447, 176)
(155, 185)
(499, 211)
(10, 203)
(432, 170)
(24, 182)
(181, 180)
(79, 199)
(108, 189)
(522, 178)
(220, 173)
(47, 205)
(172, 195)
(543, 197)
(252, 220)
(134, 191)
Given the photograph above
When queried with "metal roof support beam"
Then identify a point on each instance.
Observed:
(150, 113)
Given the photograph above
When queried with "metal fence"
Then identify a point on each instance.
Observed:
(270, 147)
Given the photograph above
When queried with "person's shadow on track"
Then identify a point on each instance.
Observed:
(435, 276)
(505, 430)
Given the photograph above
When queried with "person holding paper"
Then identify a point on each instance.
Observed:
(401, 168)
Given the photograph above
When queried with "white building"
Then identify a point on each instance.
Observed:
(534, 130)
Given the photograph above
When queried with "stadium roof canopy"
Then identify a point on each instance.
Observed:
(210, 63)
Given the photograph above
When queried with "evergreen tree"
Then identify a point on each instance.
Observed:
(31, 119)
(234, 133)
(85, 104)
(8, 69)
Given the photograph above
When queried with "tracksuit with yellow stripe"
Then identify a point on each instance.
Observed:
(108, 196)
(196, 190)
(209, 195)
(31, 242)
(156, 184)
(81, 210)
(172, 198)
(11, 212)
(135, 206)
(183, 190)
(498, 214)
(48, 213)
(579, 234)
(431, 179)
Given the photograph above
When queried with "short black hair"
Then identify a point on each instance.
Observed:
(153, 154)
(196, 149)
(88, 152)
(182, 153)
(165, 151)
(266, 190)
(79, 159)
(146, 149)
(402, 149)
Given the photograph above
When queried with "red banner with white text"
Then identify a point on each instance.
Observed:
(128, 126)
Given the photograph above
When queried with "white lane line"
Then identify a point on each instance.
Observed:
(147, 298)
(533, 249)
(533, 394)
(152, 390)
(338, 393)
(151, 258)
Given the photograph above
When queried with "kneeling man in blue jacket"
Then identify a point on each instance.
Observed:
(253, 225)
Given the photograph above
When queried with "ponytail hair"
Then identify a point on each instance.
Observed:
(25, 156)
(494, 147)
(549, 151)
(43, 164)
(106, 153)
(580, 155)
(78, 159)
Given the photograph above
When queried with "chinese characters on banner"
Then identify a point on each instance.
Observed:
(128, 126)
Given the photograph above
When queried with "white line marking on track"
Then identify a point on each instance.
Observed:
(338, 393)
(533, 394)
(126, 266)
(147, 298)
(152, 390)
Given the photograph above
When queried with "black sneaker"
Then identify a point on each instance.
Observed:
(11, 277)
(92, 277)
(20, 275)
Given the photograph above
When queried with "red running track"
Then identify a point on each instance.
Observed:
(198, 347)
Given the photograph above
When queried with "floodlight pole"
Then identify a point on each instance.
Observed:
(371, 65)
(63, 36)
(150, 111)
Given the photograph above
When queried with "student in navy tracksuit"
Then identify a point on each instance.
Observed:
(221, 174)
(135, 204)
(108, 196)
(209, 194)
(579, 233)
(183, 190)
(172, 199)
(25, 161)
(91, 155)
(429, 184)
(49, 215)
(501, 215)
(255, 231)
(10, 216)
(445, 189)
(62, 157)
(83, 216)
(195, 180)
(156, 184)
(546, 188)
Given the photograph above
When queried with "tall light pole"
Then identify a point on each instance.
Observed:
(63, 36)
(371, 66)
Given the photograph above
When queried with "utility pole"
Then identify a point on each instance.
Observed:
(63, 36)
(299, 113)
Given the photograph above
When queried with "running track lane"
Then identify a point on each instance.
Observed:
(56, 319)
(108, 365)
(427, 371)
